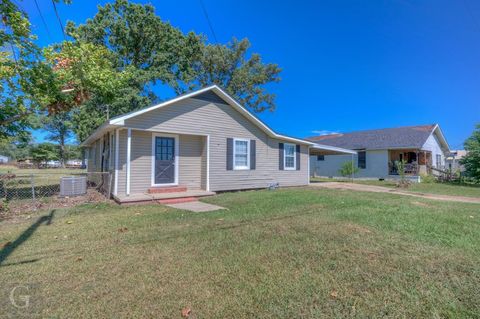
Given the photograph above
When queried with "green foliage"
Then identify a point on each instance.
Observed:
(428, 179)
(44, 152)
(471, 161)
(18, 61)
(401, 171)
(348, 169)
(154, 52)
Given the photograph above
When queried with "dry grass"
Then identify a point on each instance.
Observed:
(305, 253)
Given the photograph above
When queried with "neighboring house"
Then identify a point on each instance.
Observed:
(453, 160)
(195, 144)
(422, 147)
(3, 159)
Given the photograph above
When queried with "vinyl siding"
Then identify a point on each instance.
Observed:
(433, 145)
(376, 165)
(198, 117)
(190, 161)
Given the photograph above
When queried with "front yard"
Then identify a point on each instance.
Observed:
(427, 188)
(299, 252)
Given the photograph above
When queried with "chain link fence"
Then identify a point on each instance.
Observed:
(20, 191)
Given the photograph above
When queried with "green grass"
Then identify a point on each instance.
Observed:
(291, 253)
(427, 188)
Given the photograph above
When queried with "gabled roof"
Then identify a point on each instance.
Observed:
(388, 138)
(119, 121)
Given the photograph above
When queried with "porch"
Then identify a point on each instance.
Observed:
(417, 162)
(158, 166)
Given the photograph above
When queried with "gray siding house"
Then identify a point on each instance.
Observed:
(422, 147)
(196, 144)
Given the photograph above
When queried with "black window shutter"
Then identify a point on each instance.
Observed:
(297, 154)
(362, 159)
(253, 154)
(280, 156)
(229, 154)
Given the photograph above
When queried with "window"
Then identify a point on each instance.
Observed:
(241, 154)
(289, 156)
(320, 157)
(362, 159)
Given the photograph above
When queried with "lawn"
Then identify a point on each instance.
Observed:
(430, 188)
(290, 253)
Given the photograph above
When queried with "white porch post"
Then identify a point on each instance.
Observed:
(208, 163)
(115, 190)
(129, 151)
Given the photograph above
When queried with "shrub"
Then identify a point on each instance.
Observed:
(427, 179)
(348, 169)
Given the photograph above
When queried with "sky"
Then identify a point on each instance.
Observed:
(346, 65)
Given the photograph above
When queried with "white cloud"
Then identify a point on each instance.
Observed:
(324, 132)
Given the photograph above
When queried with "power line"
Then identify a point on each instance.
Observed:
(43, 19)
(58, 18)
(208, 20)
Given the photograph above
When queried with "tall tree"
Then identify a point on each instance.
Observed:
(86, 83)
(229, 66)
(161, 53)
(59, 128)
(23, 75)
(472, 160)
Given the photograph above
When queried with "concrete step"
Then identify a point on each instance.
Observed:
(166, 189)
(177, 200)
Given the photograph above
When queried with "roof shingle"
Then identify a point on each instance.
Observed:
(399, 137)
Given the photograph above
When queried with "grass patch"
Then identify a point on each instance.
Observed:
(427, 188)
(299, 252)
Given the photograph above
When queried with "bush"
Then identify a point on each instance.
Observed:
(348, 169)
(427, 179)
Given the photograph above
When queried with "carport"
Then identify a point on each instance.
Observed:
(322, 150)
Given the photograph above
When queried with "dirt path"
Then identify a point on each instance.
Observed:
(380, 189)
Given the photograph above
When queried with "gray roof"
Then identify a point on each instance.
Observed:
(399, 137)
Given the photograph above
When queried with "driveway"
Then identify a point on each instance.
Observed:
(380, 189)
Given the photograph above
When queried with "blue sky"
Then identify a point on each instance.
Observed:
(347, 65)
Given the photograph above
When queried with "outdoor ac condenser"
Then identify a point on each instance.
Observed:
(73, 185)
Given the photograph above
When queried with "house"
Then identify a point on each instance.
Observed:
(453, 160)
(423, 148)
(3, 159)
(193, 145)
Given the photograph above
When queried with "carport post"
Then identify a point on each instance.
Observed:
(353, 169)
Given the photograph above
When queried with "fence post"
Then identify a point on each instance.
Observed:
(33, 187)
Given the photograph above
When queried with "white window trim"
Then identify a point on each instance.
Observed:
(239, 168)
(175, 136)
(285, 157)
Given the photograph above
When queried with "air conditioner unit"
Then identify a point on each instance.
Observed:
(73, 185)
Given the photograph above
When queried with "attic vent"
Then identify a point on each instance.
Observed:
(73, 185)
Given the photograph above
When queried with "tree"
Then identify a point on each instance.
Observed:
(59, 128)
(86, 82)
(229, 67)
(23, 75)
(162, 54)
(44, 152)
(471, 161)
(348, 169)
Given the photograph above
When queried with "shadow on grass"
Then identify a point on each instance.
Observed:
(8, 249)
